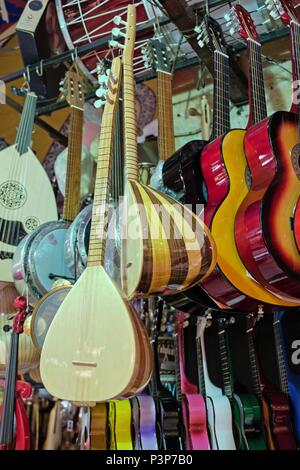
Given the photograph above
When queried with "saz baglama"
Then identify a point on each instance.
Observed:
(96, 331)
(165, 248)
(40, 257)
(26, 196)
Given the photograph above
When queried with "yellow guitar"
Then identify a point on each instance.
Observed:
(120, 425)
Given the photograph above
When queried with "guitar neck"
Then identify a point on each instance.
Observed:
(25, 129)
(166, 140)
(177, 370)
(295, 46)
(256, 380)
(129, 110)
(8, 406)
(117, 180)
(72, 192)
(225, 364)
(257, 95)
(284, 386)
(200, 370)
(221, 113)
(186, 385)
(99, 223)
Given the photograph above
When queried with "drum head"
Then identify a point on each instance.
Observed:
(44, 312)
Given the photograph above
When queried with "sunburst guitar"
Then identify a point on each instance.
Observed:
(165, 248)
(26, 195)
(96, 330)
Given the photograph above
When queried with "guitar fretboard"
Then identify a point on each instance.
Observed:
(253, 364)
(295, 40)
(225, 366)
(166, 142)
(257, 95)
(221, 120)
(284, 386)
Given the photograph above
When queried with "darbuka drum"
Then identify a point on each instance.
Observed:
(29, 356)
(86, 21)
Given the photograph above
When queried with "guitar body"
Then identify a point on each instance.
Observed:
(224, 168)
(155, 257)
(194, 416)
(181, 173)
(252, 422)
(98, 342)
(219, 417)
(168, 421)
(120, 425)
(99, 427)
(281, 421)
(266, 420)
(39, 255)
(263, 229)
(147, 422)
(26, 201)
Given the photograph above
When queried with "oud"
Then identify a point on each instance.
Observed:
(26, 195)
(106, 332)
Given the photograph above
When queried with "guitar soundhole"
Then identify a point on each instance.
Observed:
(12, 195)
(248, 177)
(296, 160)
(31, 223)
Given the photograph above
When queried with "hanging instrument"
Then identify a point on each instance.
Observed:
(26, 195)
(161, 250)
(103, 330)
(40, 258)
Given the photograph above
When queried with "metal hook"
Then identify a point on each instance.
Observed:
(40, 70)
(26, 75)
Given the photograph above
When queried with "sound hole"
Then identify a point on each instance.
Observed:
(296, 160)
(248, 177)
(12, 195)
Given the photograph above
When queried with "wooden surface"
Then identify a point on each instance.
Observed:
(166, 142)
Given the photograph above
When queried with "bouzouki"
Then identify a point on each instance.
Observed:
(192, 403)
(103, 330)
(165, 248)
(15, 391)
(224, 169)
(40, 257)
(219, 414)
(26, 196)
(263, 229)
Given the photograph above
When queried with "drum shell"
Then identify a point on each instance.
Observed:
(75, 247)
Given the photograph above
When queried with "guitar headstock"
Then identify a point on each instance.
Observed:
(283, 9)
(109, 83)
(129, 36)
(211, 34)
(73, 89)
(241, 22)
(202, 323)
(157, 56)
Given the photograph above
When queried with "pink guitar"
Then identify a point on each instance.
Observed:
(193, 404)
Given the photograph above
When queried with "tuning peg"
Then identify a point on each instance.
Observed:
(118, 20)
(274, 14)
(99, 103)
(101, 92)
(116, 32)
(103, 79)
(115, 44)
(198, 28)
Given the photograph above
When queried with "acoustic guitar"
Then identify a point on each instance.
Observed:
(26, 196)
(219, 414)
(40, 258)
(275, 406)
(165, 248)
(99, 340)
(263, 229)
(224, 169)
(192, 403)
(245, 406)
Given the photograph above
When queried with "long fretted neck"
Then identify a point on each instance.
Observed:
(209, 388)
(156, 385)
(177, 370)
(256, 379)
(25, 129)
(129, 110)
(295, 46)
(72, 191)
(200, 370)
(98, 234)
(257, 95)
(8, 406)
(186, 385)
(117, 180)
(224, 358)
(166, 140)
(284, 385)
(221, 114)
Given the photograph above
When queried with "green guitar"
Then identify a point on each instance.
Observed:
(246, 412)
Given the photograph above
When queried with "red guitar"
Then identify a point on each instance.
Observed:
(263, 226)
(15, 391)
(193, 404)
